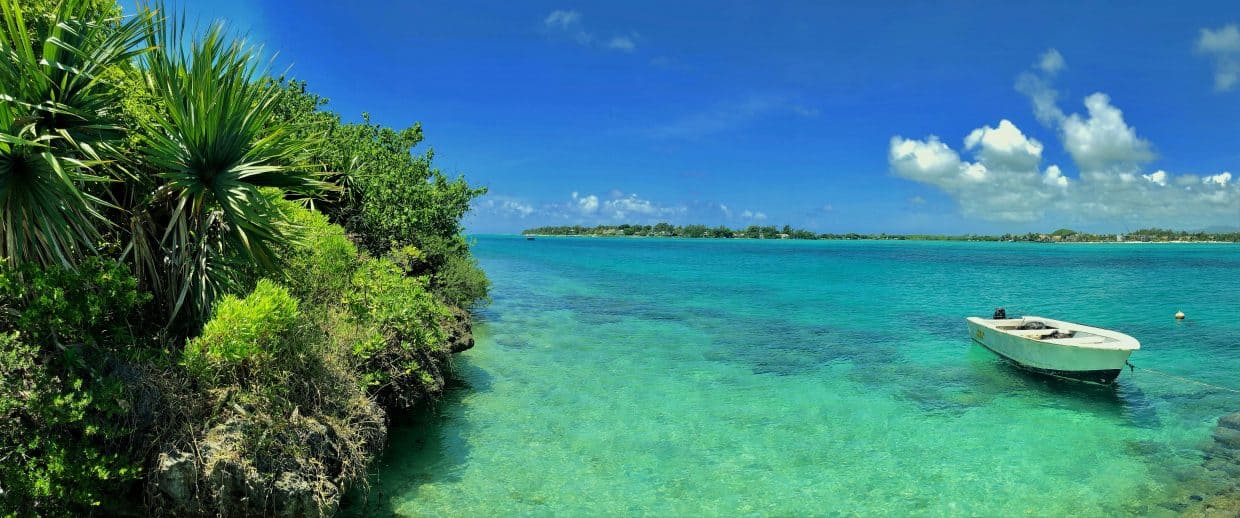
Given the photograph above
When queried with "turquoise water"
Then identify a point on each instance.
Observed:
(705, 377)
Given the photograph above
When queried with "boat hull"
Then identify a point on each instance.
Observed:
(1101, 376)
(1100, 366)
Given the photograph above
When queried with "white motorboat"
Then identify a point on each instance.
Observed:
(1055, 347)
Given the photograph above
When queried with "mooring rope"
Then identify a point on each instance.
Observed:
(1181, 378)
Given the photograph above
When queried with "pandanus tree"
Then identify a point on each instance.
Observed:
(57, 124)
(192, 200)
(216, 154)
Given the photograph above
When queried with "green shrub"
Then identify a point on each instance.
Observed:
(461, 282)
(55, 433)
(85, 310)
(320, 266)
(244, 336)
(401, 305)
(402, 334)
(394, 197)
(65, 415)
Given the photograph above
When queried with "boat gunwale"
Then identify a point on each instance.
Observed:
(1122, 342)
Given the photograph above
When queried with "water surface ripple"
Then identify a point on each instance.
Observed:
(691, 377)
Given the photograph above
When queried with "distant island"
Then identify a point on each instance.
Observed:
(1063, 235)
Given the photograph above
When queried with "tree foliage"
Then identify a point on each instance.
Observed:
(171, 258)
(390, 196)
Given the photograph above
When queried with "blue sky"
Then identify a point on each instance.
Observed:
(866, 118)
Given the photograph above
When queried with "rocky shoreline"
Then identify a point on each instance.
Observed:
(218, 473)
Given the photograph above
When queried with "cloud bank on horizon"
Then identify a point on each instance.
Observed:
(613, 207)
(1005, 180)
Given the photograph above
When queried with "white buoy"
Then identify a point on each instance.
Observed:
(1179, 315)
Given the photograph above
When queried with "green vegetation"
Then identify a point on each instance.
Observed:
(209, 148)
(212, 291)
(787, 232)
(389, 198)
(244, 337)
(65, 409)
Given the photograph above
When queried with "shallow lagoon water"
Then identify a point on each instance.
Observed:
(692, 377)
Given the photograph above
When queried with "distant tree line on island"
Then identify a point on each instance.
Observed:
(787, 232)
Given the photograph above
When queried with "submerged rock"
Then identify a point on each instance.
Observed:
(1222, 456)
(1223, 505)
(1227, 433)
(1227, 438)
(1231, 421)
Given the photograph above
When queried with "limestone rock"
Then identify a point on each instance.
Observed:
(294, 496)
(176, 477)
(460, 330)
(233, 485)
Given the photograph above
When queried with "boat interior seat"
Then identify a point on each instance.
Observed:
(1082, 340)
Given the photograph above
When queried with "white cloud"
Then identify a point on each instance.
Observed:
(917, 200)
(562, 19)
(622, 43)
(1101, 141)
(1027, 194)
(619, 207)
(925, 160)
(1104, 141)
(1054, 177)
(631, 204)
(569, 23)
(756, 216)
(496, 212)
(503, 207)
(1036, 85)
(662, 62)
(585, 204)
(804, 111)
(1004, 146)
(1220, 179)
(1051, 62)
(518, 208)
(1222, 45)
(1005, 180)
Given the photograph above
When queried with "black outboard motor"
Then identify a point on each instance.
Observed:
(1000, 314)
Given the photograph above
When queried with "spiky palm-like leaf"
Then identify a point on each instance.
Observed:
(54, 122)
(44, 216)
(60, 78)
(215, 145)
